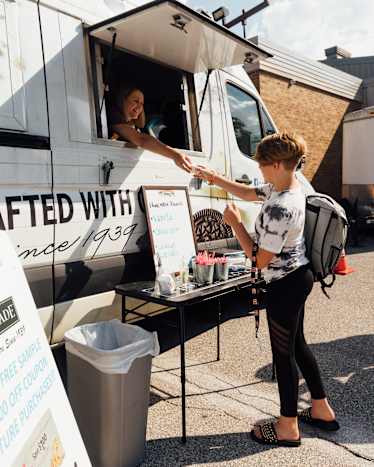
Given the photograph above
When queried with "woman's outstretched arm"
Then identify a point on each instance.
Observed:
(237, 189)
(150, 143)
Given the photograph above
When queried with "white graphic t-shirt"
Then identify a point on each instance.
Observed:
(279, 228)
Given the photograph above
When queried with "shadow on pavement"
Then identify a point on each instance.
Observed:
(347, 367)
(200, 450)
(154, 398)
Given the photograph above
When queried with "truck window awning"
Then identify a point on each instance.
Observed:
(171, 33)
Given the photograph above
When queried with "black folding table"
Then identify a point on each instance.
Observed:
(181, 301)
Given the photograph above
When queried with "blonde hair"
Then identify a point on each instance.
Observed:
(285, 147)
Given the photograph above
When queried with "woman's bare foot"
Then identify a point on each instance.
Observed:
(322, 410)
(286, 428)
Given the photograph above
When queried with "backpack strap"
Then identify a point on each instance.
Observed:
(325, 286)
(255, 275)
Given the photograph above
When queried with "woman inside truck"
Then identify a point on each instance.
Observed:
(128, 118)
(281, 256)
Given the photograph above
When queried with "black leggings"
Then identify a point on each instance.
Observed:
(285, 310)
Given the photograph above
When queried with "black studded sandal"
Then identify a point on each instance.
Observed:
(270, 438)
(305, 416)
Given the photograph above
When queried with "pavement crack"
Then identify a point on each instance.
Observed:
(236, 388)
(351, 451)
(230, 388)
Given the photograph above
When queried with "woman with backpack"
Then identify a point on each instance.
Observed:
(281, 256)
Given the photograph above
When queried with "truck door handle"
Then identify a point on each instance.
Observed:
(244, 179)
(107, 167)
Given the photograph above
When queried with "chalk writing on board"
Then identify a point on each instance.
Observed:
(170, 226)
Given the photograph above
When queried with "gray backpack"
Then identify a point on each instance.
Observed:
(325, 232)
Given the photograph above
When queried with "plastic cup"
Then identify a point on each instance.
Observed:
(221, 271)
(204, 273)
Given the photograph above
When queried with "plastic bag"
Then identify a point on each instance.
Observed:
(111, 346)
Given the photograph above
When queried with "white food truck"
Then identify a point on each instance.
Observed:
(69, 194)
(358, 162)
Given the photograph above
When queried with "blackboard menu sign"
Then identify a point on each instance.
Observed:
(170, 225)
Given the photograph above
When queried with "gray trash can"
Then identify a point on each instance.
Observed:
(108, 371)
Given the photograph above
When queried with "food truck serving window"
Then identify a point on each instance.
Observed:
(169, 98)
(160, 46)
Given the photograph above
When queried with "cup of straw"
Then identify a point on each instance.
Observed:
(204, 268)
(221, 269)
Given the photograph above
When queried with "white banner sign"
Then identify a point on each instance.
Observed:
(37, 426)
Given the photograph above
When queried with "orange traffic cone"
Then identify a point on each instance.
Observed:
(342, 267)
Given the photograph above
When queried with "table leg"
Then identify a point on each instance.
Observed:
(218, 329)
(182, 335)
(123, 309)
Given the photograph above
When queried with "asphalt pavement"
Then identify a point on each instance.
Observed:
(227, 397)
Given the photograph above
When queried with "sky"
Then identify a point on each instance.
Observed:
(307, 26)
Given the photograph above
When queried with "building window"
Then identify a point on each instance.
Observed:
(245, 119)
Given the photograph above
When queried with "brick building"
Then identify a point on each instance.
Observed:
(310, 98)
